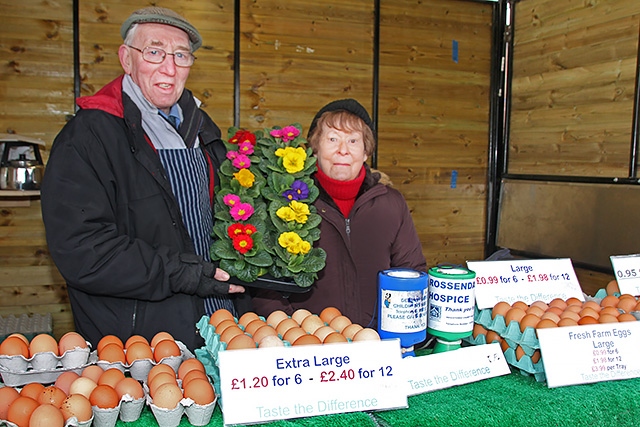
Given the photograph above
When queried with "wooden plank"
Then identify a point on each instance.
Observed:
(34, 276)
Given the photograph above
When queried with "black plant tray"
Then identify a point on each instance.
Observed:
(271, 283)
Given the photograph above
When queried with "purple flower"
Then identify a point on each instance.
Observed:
(298, 191)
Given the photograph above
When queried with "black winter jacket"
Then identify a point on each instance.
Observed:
(113, 226)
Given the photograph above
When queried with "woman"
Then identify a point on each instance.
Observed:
(366, 227)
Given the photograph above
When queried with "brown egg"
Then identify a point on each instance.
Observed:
(161, 336)
(550, 315)
(167, 396)
(567, 322)
(534, 309)
(492, 336)
(285, 325)
(300, 314)
(138, 351)
(32, 390)
(504, 345)
(188, 365)
(613, 311)
(136, 338)
(276, 317)
(612, 287)
(293, 334)
(111, 377)
(366, 334)
(592, 305)
(514, 315)
(112, 353)
(575, 308)
(340, 322)
(192, 375)
(546, 323)
(311, 323)
(558, 302)
(334, 337)
(570, 314)
(223, 325)
(556, 310)
(7, 396)
(588, 311)
(131, 387)
(323, 331)
(519, 352)
(46, 415)
(64, 380)
(52, 395)
(626, 317)
(43, 343)
(520, 304)
(240, 342)
(329, 313)
(158, 368)
(543, 305)
(160, 379)
(478, 329)
(627, 304)
(270, 341)
(22, 337)
(246, 318)
(230, 333)
(607, 318)
(263, 332)
(82, 385)
(535, 357)
(587, 320)
(529, 321)
(77, 405)
(166, 348)
(254, 325)
(637, 308)
(71, 341)
(92, 371)
(307, 340)
(609, 301)
(220, 315)
(104, 396)
(20, 410)
(200, 391)
(109, 339)
(573, 301)
(500, 309)
(351, 330)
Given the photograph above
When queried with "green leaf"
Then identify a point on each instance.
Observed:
(305, 279)
(222, 250)
(261, 259)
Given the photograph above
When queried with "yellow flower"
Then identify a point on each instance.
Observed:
(285, 213)
(292, 158)
(293, 243)
(305, 247)
(245, 177)
(301, 211)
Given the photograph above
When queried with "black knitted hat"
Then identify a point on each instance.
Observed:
(349, 105)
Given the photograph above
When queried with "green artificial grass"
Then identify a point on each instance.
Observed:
(511, 400)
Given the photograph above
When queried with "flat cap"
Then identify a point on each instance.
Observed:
(161, 15)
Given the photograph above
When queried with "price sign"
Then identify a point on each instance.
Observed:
(452, 368)
(524, 280)
(627, 271)
(293, 382)
(590, 353)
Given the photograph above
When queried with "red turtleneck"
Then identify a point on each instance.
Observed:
(343, 193)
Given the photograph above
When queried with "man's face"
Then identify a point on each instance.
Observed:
(161, 84)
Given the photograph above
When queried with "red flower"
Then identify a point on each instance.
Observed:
(242, 243)
(243, 136)
(235, 229)
(249, 229)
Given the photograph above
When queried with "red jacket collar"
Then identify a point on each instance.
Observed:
(108, 99)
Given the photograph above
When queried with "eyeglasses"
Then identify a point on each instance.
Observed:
(155, 55)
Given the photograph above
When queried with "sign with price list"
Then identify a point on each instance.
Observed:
(524, 280)
(294, 382)
(627, 271)
(590, 353)
(452, 368)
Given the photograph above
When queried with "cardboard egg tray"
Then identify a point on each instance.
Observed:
(43, 367)
(198, 415)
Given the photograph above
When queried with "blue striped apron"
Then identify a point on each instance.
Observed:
(188, 174)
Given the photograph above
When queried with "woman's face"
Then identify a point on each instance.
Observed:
(340, 154)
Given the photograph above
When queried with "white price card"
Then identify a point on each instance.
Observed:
(451, 368)
(627, 271)
(590, 353)
(294, 382)
(524, 280)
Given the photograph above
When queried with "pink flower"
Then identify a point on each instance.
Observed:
(241, 211)
(287, 133)
(231, 200)
(231, 155)
(241, 162)
(245, 148)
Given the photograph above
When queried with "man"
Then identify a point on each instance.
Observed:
(127, 196)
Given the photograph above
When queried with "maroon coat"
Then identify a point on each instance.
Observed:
(379, 234)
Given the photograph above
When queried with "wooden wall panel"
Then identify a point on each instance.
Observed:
(433, 119)
(573, 87)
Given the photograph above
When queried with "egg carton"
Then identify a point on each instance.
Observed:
(43, 367)
(27, 325)
(140, 368)
(198, 415)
